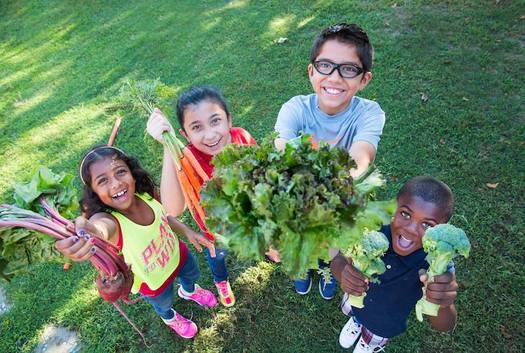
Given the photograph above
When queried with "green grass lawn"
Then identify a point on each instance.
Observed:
(61, 62)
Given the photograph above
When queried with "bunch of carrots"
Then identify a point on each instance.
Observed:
(114, 279)
(189, 171)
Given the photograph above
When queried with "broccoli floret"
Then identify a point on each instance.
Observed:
(442, 244)
(366, 257)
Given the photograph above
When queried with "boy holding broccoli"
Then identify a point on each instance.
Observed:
(422, 202)
(340, 66)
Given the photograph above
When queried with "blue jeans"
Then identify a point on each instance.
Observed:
(188, 275)
(217, 264)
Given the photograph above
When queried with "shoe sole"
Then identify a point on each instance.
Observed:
(307, 291)
(321, 292)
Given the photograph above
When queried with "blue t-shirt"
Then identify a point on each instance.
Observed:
(388, 303)
(362, 120)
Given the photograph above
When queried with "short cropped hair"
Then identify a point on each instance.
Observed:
(430, 190)
(348, 34)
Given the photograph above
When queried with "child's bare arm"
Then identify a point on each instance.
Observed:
(442, 291)
(363, 153)
(170, 189)
(196, 239)
(280, 143)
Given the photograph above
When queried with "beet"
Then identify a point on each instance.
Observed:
(110, 288)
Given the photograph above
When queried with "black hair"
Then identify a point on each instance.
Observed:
(90, 203)
(431, 190)
(348, 34)
(197, 94)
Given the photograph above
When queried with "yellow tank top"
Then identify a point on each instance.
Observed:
(152, 250)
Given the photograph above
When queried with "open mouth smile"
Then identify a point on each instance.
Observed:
(213, 144)
(403, 242)
(120, 194)
(333, 91)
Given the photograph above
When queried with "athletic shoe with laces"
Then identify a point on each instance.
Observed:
(303, 285)
(200, 296)
(327, 283)
(182, 326)
(363, 347)
(226, 296)
(350, 333)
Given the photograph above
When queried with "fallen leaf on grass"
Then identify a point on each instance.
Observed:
(447, 62)
(424, 97)
(504, 332)
(492, 186)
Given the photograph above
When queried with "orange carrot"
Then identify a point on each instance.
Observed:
(192, 198)
(195, 164)
(194, 179)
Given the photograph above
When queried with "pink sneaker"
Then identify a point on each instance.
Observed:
(200, 296)
(182, 326)
(225, 293)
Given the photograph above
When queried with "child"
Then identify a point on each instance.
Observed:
(119, 204)
(206, 123)
(422, 202)
(340, 66)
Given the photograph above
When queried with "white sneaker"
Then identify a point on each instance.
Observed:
(346, 307)
(349, 334)
(362, 347)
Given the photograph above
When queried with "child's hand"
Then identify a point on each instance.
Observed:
(76, 248)
(80, 247)
(442, 290)
(157, 124)
(198, 239)
(352, 281)
(273, 255)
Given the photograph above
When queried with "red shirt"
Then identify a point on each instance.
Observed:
(239, 137)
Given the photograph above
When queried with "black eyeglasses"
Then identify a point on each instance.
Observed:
(325, 67)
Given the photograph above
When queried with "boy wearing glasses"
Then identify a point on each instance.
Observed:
(340, 66)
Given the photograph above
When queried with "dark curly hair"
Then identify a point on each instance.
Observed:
(197, 94)
(432, 190)
(90, 203)
(348, 34)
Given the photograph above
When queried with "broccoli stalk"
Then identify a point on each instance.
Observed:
(366, 257)
(442, 244)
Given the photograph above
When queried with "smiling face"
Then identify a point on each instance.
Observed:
(207, 127)
(112, 181)
(333, 91)
(412, 218)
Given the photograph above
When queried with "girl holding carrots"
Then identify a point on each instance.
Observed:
(206, 123)
(118, 201)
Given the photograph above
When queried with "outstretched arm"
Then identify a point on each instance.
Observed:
(363, 153)
(442, 291)
(79, 249)
(171, 194)
(198, 240)
(170, 189)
